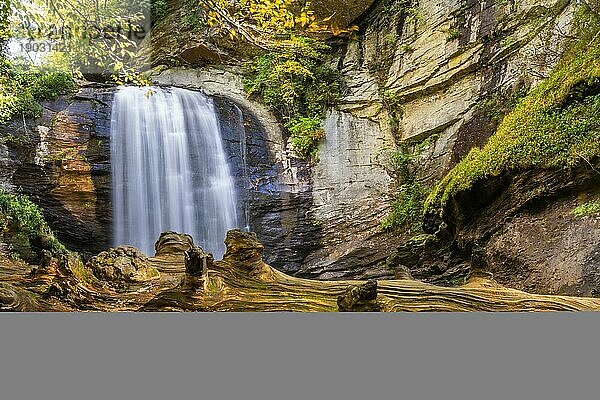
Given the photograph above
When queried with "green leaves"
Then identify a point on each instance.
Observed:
(23, 85)
(306, 133)
(407, 208)
(86, 36)
(4, 26)
(23, 227)
(295, 83)
(589, 209)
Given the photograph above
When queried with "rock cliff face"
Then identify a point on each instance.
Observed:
(318, 220)
(520, 228)
(63, 163)
(442, 71)
(438, 61)
(416, 71)
(274, 188)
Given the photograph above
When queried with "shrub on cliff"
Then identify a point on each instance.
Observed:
(23, 86)
(557, 125)
(298, 86)
(24, 230)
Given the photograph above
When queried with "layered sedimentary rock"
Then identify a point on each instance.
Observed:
(442, 72)
(242, 281)
(63, 164)
(419, 70)
(438, 61)
(191, 280)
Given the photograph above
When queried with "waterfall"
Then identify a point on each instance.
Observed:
(169, 169)
(244, 157)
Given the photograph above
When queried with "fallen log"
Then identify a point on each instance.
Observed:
(242, 281)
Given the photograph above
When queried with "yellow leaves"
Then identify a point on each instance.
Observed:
(233, 35)
(305, 18)
(262, 18)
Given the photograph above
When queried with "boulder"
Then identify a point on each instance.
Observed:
(244, 253)
(197, 263)
(125, 264)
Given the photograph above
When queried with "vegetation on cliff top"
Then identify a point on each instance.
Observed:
(557, 125)
(289, 71)
(24, 230)
(23, 86)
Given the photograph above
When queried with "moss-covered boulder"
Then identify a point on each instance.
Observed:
(125, 264)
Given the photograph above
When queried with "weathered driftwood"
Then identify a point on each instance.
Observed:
(243, 282)
(190, 280)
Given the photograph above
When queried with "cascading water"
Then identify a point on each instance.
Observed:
(169, 169)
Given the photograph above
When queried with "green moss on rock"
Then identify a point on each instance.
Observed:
(557, 125)
(589, 209)
(295, 82)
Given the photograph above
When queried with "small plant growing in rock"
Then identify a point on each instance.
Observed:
(408, 205)
(499, 103)
(306, 132)
(414, 15)
(589, 209)
(393, 105)
(452, 34)
(407, 48)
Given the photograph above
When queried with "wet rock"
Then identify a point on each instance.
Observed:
(173, 243)
(197, 263)
(429, 259)
(244, 254)
(64, 166)
(403, 273)
(520, 228)
(380, 271)
(66, 290)
(125, 264)
(48, 265)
